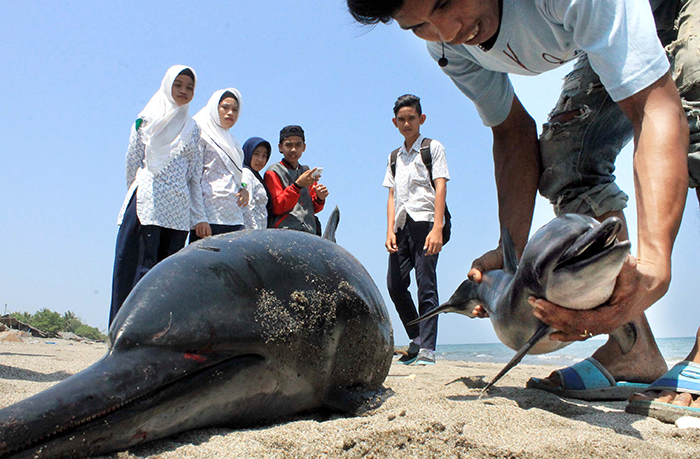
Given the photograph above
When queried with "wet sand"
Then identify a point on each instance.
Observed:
(428, 412)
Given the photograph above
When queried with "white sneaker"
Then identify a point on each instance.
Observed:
(425, 357)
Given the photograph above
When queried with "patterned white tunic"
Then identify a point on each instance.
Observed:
(255, 213)
(172, 196)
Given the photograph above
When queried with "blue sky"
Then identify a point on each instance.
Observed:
(76, 76)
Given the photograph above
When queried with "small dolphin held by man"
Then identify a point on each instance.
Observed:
(573, 261)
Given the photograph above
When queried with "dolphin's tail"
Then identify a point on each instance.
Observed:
(540, 333)
(332, 225)
(462, 301)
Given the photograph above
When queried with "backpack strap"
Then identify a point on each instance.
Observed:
(392, 161)
(428, 161)
(427, 158)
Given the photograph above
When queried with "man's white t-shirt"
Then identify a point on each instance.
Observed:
(619, 37)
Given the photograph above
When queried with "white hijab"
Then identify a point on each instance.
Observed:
(225, 144)
(168, 122)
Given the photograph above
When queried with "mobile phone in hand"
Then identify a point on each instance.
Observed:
(317, 173)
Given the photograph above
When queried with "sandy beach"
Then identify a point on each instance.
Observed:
(432, 411)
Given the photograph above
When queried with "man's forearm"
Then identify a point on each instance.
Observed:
(660, 169)
(516, 164)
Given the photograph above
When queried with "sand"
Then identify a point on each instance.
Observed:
(428, 412)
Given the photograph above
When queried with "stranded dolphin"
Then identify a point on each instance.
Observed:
(233, 330)
(573, 261)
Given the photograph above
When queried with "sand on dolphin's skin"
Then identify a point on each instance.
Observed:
(428, 412)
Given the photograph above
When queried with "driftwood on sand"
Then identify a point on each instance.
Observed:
(11, 322)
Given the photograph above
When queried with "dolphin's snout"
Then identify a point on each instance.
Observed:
(597, 240)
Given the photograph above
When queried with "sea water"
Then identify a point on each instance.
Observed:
(673, 349)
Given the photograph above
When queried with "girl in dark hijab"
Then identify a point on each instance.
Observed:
(256, 152)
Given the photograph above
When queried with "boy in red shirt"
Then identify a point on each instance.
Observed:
(296, 195)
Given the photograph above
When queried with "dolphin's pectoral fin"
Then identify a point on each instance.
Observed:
(462, 301)
(540, 333)
(626, 337)
(332, 225)
(510, 259)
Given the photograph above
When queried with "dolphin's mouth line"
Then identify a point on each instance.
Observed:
(74, 425)
(66, 429)
(592, 244)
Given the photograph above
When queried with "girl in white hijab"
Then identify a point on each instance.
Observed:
(222, 193)
(163, 171)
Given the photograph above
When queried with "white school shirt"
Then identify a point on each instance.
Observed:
(171, 197)
(413, 193)
(619, 37)
(219, 189)
(255, 213)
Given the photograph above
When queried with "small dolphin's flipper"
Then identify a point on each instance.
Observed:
(625, 336)
(332, 225)
(510, 259)
(540, 333)
(462, 301)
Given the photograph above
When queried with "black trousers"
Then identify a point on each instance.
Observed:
(410, 255)
(139, 248)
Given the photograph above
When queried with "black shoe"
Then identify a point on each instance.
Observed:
(411, 354)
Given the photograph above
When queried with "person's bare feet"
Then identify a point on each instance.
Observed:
(674, 398)
(667, 396)
(642, 364)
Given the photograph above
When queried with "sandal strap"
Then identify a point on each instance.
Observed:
(584, 375)
(683, 377)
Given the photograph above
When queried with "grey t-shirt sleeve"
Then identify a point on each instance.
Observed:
(619, 38)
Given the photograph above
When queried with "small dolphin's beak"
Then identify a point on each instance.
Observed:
(595, 241)
(446, 307)
(461, 302)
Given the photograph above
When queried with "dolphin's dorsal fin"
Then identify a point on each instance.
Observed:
(332, 225)
(510, 259)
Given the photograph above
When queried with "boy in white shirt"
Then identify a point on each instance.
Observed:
(415, 218)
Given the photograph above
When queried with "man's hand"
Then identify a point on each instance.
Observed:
(433, 241)
(638, 286)
(202, 230)
(489, 261)
(390, 243)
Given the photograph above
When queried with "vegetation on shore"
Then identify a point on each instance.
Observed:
(54, 322)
